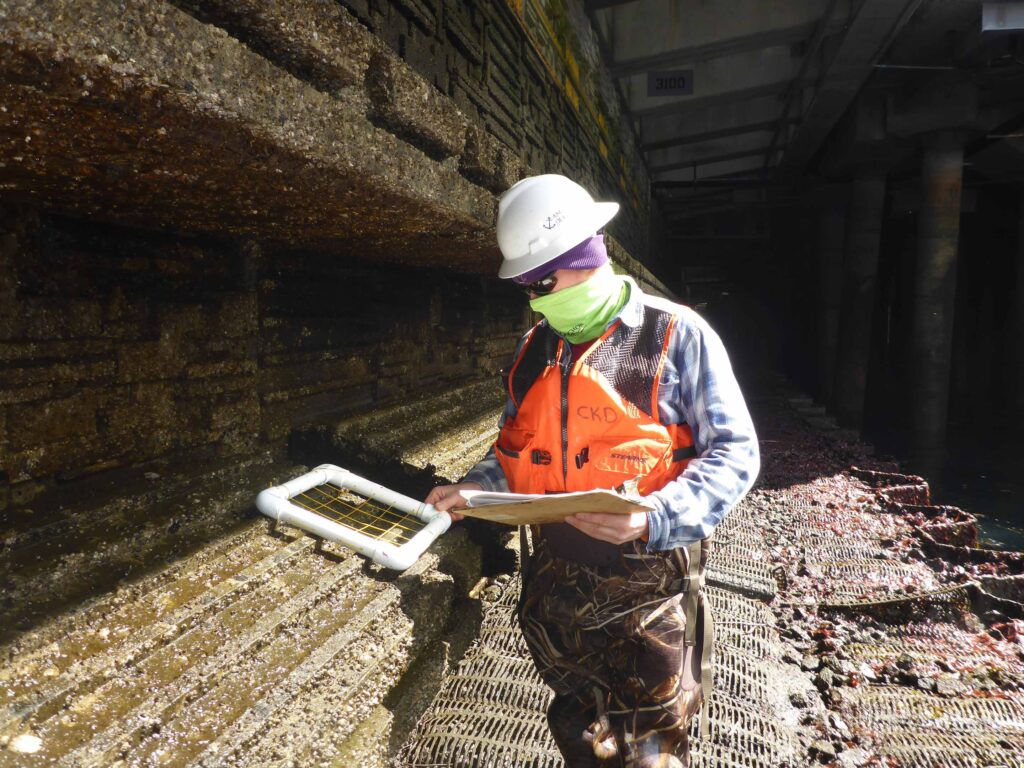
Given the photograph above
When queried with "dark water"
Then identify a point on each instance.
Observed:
(980, 473)
(988, 483)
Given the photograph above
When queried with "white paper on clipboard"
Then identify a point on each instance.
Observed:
(536, 509)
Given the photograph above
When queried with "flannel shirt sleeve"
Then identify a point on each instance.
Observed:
(698, 387)
(488, 473)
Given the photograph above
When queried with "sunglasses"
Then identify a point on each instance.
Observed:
(541, 287)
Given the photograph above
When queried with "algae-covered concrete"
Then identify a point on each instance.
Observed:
(184, 631)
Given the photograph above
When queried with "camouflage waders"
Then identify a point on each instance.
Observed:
(626, 649)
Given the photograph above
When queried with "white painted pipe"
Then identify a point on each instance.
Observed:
(276, 504)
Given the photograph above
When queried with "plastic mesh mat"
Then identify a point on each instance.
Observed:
(741, 536)
(743, 643)
(743, 574)
(830, 551)
(455, 734)
(809, 533)
(741, 676)
(732, 609)
(507, 640)
(740, 548)
(754, 640)
(948, 601)
(930, 643)
(741, 729)
(867, 580)
(739, 520)
(884, 708)
(496, 678)
(490, 711)
(924, 748)
(713, 755)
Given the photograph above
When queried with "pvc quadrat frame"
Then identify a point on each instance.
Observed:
(388, 527)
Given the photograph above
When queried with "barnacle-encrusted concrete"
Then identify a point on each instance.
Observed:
(140, 113)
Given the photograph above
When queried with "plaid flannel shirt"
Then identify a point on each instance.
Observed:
(698, 388)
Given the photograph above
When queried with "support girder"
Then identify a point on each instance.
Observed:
(713, 50)
(869, 35)
(720, 133)
(697, 103)
(709, 160)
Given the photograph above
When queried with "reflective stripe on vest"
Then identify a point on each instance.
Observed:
(592, 423)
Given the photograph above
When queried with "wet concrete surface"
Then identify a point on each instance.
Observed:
(238, 644)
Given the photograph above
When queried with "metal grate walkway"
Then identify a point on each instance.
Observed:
(490, 711)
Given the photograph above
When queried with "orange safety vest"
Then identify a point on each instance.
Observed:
(592, 423)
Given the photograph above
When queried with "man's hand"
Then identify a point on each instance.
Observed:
(613, 528)
(445, 498)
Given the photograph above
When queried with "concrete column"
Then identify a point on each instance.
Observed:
(831, 231)
(860, 270)
(1017, 335)
(934, 295)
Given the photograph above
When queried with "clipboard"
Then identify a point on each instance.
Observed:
(538, 509)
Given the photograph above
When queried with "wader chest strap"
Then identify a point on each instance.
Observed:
(693, 588)
(524, 550)
(698, 614)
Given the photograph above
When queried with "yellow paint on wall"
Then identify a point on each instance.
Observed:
(572, 93)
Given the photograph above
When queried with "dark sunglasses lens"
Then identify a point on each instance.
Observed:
(540, 287)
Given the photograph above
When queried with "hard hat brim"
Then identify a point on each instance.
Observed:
(599, 215)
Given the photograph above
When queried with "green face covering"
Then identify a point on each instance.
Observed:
(582, 312)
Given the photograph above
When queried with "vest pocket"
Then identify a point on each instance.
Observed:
(513, 449)
(512, 441)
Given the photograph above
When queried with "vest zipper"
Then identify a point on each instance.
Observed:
(563, 366)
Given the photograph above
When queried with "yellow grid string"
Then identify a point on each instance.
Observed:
(379, 522)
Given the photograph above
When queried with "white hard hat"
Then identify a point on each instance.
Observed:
(542, 217)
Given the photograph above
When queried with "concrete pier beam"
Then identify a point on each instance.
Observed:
(860, 271)
(935, 293)
(831, 234)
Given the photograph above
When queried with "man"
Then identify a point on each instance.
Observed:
(612, 389)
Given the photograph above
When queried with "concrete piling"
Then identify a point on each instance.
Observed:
(1017, 352)
(860, 270)
(935, 293)
(831, 232)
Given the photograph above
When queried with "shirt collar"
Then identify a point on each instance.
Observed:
(633, 313)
